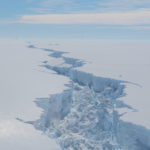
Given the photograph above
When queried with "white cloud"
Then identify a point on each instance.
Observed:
(93, 5)
(56, 4)
(116, 18)
(125, 4)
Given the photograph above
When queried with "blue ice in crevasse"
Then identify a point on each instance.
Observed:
(85, 116)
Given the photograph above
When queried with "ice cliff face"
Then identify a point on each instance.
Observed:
(85, 116)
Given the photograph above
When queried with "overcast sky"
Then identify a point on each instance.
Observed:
(75, 19)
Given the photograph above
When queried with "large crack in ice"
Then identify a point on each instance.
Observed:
(85, 116)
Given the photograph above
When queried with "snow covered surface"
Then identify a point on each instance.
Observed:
(122, 60)
(88, 115)
(98, 71)
(21, 83)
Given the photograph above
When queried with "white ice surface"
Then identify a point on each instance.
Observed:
(123, 60)
(21, 82)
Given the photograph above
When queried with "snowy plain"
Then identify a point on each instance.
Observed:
(21, 83)
(23, 80)
(122, 60)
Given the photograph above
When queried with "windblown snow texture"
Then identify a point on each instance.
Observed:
(85, 116)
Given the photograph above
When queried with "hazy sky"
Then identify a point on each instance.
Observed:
(75, 19)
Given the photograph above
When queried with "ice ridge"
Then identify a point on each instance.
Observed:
(85, 116)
